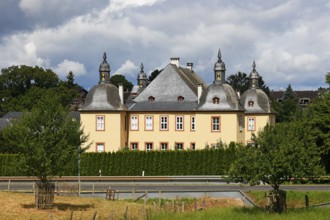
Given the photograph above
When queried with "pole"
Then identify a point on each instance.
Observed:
(79, 171)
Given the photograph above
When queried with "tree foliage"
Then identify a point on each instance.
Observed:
(120, 79)
(241, 82)
(22, 86)
(154, 74)
(288, 109)
(281, 153)
(47, 139)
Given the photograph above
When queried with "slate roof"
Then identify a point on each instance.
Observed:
(261, 102)
(228, 99)
(171, 83)
(163, 106)
(103, 97)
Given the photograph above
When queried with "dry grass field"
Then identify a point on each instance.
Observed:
(21, 206)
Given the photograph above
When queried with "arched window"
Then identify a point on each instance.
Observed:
(216, 100)
(180, 98)
(250, 103)
(151, 99)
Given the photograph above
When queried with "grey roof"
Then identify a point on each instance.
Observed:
(163, 106)
(171, 83)
(261, 102)
(103, 97)
(228, 99)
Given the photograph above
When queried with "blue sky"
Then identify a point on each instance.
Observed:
(289, 40)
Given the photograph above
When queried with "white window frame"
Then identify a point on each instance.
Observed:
(100, 147)
(193, 123)
(149, 146)
(134, 122)
(251, 124)
(179, 123)
(134, 146)
(164, 123)
(149, 122)
(216, 124)
(100, 122)
(163, 146)
(179, 144)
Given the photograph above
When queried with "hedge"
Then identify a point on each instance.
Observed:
(133, 163)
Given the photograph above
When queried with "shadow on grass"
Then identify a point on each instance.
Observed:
(63, 206)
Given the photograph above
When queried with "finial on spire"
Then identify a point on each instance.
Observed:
(254, 65)
(104, 56)
(142, 68)
(219, 55)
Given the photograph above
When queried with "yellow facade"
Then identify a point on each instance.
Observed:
(260, 121)
(112, 136)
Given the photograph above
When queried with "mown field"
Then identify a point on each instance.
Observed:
(21, 206)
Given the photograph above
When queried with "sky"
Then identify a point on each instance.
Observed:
(289, 40)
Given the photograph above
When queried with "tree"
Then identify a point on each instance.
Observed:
(47, 139)
(281, 153)
(117, 79)
(22, 86)
(153, 75)
(241, 82)
(289, 108)
(70, 79)
(317, 117)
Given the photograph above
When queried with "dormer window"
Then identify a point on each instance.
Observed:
(250, 103)
(216, 100)
(151, 99)
(180, 98)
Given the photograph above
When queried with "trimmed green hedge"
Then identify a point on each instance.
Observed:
(132, 163)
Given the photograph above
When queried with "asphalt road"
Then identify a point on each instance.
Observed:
(102, 186)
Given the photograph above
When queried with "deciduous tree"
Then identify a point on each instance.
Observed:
(281, 153)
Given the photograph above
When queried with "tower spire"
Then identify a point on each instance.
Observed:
(254, 76)
(219, 69)
(104, 70)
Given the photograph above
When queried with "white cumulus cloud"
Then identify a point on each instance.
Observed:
(66, 66)
(127, 69)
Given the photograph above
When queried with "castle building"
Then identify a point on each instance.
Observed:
(176, 111)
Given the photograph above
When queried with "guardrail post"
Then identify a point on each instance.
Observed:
(93, 189)
(8, 185)
(133, 193)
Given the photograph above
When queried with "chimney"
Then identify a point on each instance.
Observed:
(199, 92)
(190, 66)
(175, 61)
(121, 93)
(238, 94)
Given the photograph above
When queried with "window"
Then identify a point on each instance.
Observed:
(179, 123)
(163, 123)
(304, 101)
(100, 123)
(100, 147)
(215, 124)
(134, 123)
(151, 99)
(250, 103)
(149, 122)
(240, 122)
(178, 146)
(180, 98)
(216, 100)
(134, 146)
(193, 123)
(148, 146)
(192, 146)
(251, 124)
(163, 146)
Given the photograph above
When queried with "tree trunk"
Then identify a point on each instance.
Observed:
(44, 195)
(276, 200)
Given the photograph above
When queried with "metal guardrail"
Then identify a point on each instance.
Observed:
(123, 178)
